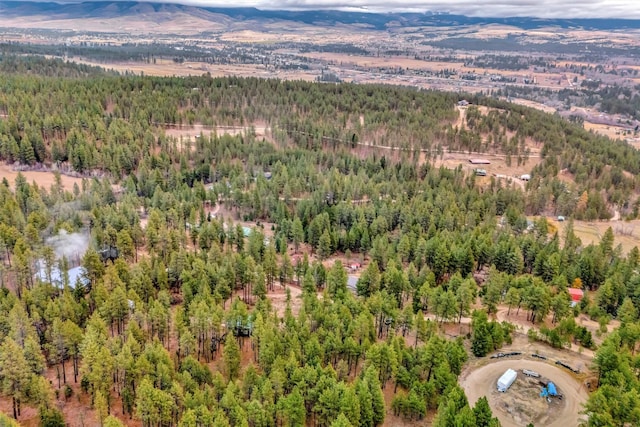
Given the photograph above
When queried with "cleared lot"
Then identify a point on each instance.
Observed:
(512, 409)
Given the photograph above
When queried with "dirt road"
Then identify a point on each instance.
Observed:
(482, 382)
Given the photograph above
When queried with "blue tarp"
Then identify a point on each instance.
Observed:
(549, 390)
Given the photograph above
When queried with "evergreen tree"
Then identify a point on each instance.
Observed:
(483, 415)
(231, 357)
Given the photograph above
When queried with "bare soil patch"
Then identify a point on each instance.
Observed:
(533, 104)
(76, 410)
(188, 135)
(613, 132)
(521, 404)
(278, 297)
(43, 179)
(500, 166)
(164, 68)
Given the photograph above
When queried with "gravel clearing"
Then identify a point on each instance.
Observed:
(521, 404)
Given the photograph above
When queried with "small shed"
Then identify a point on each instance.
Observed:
(76, 275)
(576, 296)
(505, 381)
(352, 283)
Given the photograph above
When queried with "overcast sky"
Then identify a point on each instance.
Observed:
(488, 8)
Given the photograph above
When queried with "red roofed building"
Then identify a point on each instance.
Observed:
(576, 296)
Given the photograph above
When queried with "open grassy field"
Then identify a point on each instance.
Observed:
(613, 132)
(43, 179)
(627, 233)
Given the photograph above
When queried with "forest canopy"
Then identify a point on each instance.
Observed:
(173, 320)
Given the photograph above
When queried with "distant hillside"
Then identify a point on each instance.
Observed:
(160, 12)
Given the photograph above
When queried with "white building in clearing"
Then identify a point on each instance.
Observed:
(76, 275)
(505, 381)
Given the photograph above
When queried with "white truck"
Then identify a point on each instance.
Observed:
(505, 381)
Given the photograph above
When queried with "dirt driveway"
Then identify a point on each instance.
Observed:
(482, 382)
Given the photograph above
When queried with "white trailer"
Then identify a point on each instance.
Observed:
(505, 381)
(529, 373)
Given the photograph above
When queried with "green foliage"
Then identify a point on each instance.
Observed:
(487, 336)
(159, 324)
(483, 415)
(5, 421)
(616, 400)
(112, 421)
(51, 417)
(454, 411)
(231, 357)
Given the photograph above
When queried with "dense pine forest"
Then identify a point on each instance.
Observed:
(173, 319)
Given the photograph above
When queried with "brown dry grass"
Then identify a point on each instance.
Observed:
(163, 68)
(76, 410)
(43, 179)
(533, 104)
(613, 132)
(188, 134)
(498, 166)
(278, 298)
(627, 233)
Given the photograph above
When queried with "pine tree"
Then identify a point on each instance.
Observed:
(481, 341)
(112, 421)
(15, 373)
(450, 408)
(292, 408)
(297, 233)
(324, 245)
(341, 421)
(483, 414)
(49, 417)
(27, 155)
(627, 312)
(101, 406)
(231, 357)
(366, 403)
(337, 281)
(377, 398)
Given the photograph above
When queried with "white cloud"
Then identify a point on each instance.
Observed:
(628, 9)
(569, 9)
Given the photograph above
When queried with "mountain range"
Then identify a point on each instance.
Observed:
(28, 14)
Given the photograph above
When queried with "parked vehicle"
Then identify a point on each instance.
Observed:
(564, 365)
